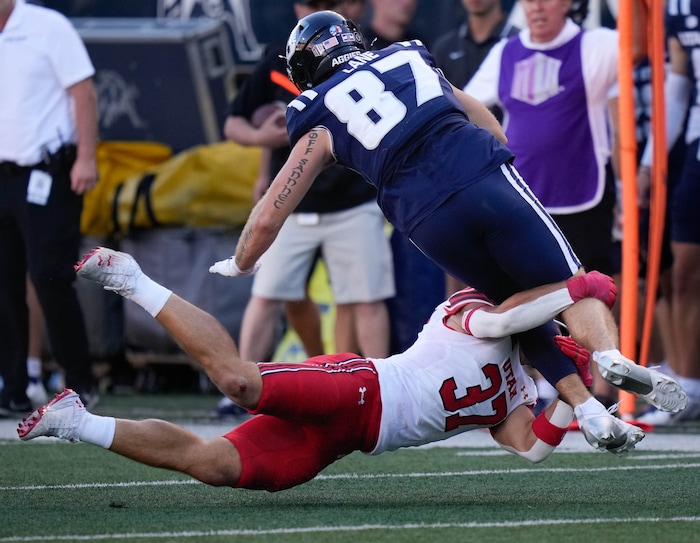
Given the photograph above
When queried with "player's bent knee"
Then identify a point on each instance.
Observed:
(539, 452)
(219, 464)
(547, 433)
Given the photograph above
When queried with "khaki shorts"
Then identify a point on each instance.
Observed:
(353, 244)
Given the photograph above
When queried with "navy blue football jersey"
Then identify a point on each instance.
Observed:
(394, 118)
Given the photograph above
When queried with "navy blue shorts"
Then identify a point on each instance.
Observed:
(495, 236)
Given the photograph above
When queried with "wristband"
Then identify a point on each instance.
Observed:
(465, 320)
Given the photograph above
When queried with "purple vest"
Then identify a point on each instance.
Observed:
(548, 128)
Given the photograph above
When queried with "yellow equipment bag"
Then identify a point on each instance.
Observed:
(208, 185)
(116, 160)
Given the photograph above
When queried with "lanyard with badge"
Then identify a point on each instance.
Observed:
(39, 185)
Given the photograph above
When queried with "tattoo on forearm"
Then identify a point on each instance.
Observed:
(313, 136)
(296, 173)
(243, 244)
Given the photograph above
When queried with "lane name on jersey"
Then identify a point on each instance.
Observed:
(354, 60)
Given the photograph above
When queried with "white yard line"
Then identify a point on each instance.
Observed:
(187, 536)
(368, 476)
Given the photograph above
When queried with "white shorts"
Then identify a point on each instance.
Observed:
(354, 245)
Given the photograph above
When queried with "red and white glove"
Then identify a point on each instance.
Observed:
(593, 285)
(580, 355)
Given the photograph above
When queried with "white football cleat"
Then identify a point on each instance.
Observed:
(608, 433)
(114, 270)
(654, 387)
(59, 418)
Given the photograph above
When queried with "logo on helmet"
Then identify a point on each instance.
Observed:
(320, 48)
(314, 45)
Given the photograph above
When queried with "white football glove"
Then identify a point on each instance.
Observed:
(229, 268)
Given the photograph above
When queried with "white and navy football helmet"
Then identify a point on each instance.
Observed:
(316, 42)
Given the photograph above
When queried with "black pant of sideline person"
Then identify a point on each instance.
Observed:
(40, 234)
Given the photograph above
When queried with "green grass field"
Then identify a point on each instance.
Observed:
(51, 491)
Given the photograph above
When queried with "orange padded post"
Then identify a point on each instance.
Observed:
(628, 175)
(657, 205)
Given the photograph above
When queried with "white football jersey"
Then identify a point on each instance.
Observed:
(448, 382)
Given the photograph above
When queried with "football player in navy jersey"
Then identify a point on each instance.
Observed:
(444, 179)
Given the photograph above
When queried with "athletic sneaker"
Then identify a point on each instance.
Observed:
(114, 270)
(691, 411)
(36, 392)
(226, 408)
(655, 417)
(652, 386)
(13, 409)
(59, 418)
(606, 432)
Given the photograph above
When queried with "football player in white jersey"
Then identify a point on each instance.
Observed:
(462, 373)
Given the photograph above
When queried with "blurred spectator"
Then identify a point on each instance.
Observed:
(681, 101)
(662, 344)
(48, 114)
(460, 52)
(352, 9)
(389, 22)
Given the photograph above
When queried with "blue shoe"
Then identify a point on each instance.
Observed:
(226, 408)
(656, 417)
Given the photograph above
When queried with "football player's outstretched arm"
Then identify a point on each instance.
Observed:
(480, 115)
(533, 307)
(308, 158)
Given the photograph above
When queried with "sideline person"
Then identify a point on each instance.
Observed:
(683, 120)
(48, 137)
